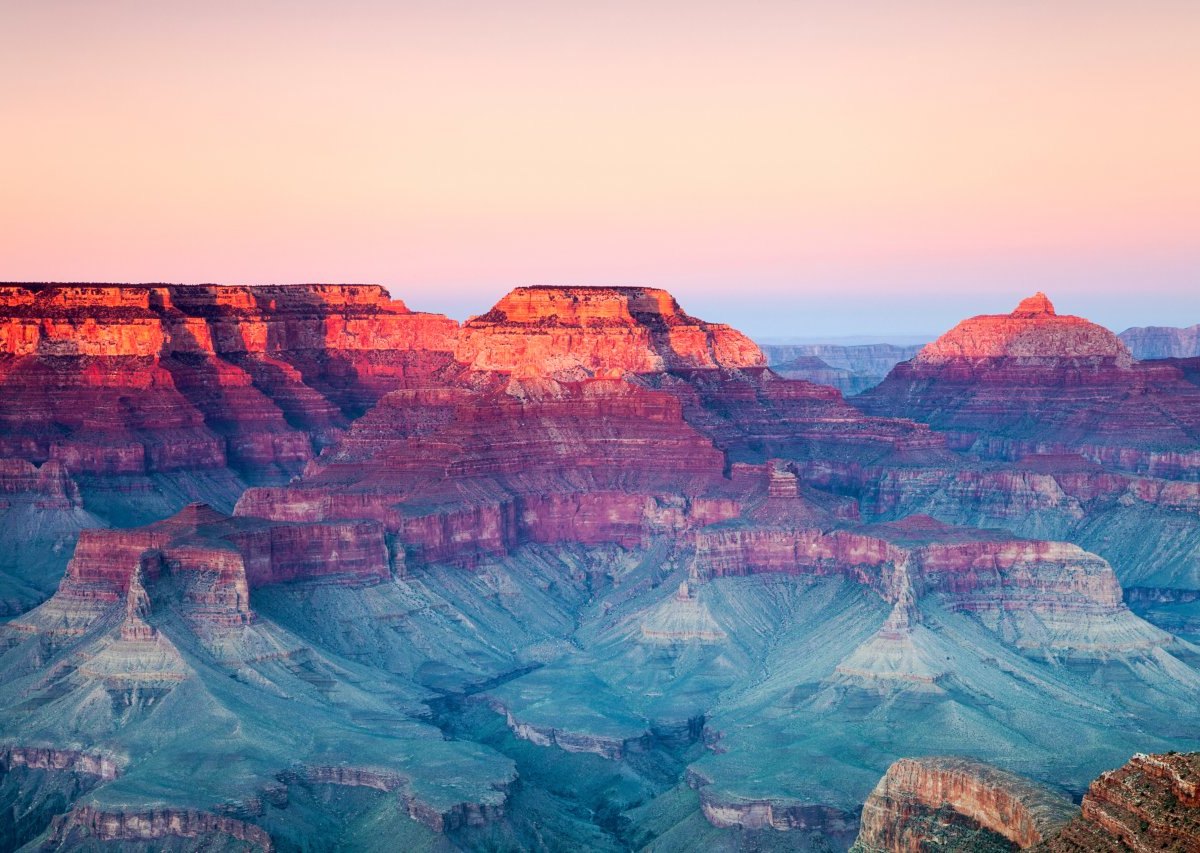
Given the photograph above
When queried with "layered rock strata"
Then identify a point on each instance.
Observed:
(209, 562)
(1035, 382)
(457, 474)
(1150, 803)
(89, 823)
(898, 814)
(1045, 597)
(130, 379)
(571, 332)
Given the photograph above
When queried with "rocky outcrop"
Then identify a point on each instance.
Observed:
(1147, 342)
(898, 816)
(101, 766)
(572, 332)
(131, 379)
(97, 824)
(1034, 382)
(205, 564)
(605, 746)
(1151, 803)
(726, 812)
(437, 818)
(1044, 597)
(765, 814)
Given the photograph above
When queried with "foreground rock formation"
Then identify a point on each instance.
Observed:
(908, 809)
(1150, 803)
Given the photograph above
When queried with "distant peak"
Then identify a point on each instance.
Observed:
(1038, 305)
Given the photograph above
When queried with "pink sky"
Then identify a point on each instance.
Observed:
(795, 168)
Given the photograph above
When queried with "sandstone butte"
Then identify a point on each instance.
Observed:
(213, 560)
(1033, 381)
(1151, 803)
(573, 331)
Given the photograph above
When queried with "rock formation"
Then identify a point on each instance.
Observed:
(902, 812)
(458, 474)
(1004, 386)
(571, 332)
(1150, 803)
(131, 379)
(587, 542)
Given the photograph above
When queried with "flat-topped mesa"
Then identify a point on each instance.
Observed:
(920, 798)
(233, 320)
(1033, 333)
(579, 331)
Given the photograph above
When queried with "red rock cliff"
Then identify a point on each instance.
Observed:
(895, 818)
(126, 379)
(579, 331)
(1150, 804)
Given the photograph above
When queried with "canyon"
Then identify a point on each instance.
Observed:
(292, 563)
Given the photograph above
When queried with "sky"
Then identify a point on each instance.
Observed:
(800, 169)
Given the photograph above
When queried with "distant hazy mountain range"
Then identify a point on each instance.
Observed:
(851, 368)
(1147, 342)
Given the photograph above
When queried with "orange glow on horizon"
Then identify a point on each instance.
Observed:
(701, 147)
